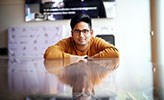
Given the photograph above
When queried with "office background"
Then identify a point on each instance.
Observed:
(137, 29)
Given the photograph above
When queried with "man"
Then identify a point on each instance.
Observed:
(81, 44)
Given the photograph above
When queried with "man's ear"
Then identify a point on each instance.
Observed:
(91, 31)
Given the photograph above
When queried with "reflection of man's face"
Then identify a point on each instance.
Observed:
(78, 76)
(82, 85)
(82, 34)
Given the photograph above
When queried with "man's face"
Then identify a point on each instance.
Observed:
(82, 34)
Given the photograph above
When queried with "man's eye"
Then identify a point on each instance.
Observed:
(77, 31)
(85, 31)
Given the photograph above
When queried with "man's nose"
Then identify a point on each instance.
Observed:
(81, 34)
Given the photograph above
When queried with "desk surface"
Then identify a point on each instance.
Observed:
(62, 79)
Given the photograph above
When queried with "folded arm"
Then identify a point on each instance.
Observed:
(104, 49)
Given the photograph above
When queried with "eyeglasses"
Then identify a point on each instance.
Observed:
(84, 31)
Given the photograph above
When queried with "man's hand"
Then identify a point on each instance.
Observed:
(75, 58)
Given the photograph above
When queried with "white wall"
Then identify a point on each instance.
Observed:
(133, 26)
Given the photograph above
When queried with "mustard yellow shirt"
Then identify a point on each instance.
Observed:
(97, 48)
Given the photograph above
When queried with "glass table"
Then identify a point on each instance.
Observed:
(63, 79)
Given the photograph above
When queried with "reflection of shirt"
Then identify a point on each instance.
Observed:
(97, 48)
(94, 8)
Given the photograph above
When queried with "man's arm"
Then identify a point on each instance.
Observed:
(59, 50)
(55, 52)
(104, 49)
(107, 53)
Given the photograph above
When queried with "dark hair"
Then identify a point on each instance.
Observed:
(81, 17)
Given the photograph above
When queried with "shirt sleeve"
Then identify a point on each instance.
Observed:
(57, 51)
(105, 49)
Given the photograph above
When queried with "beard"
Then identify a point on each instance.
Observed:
(82, 43)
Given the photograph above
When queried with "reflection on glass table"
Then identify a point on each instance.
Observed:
(82, 76)
(62, 79)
